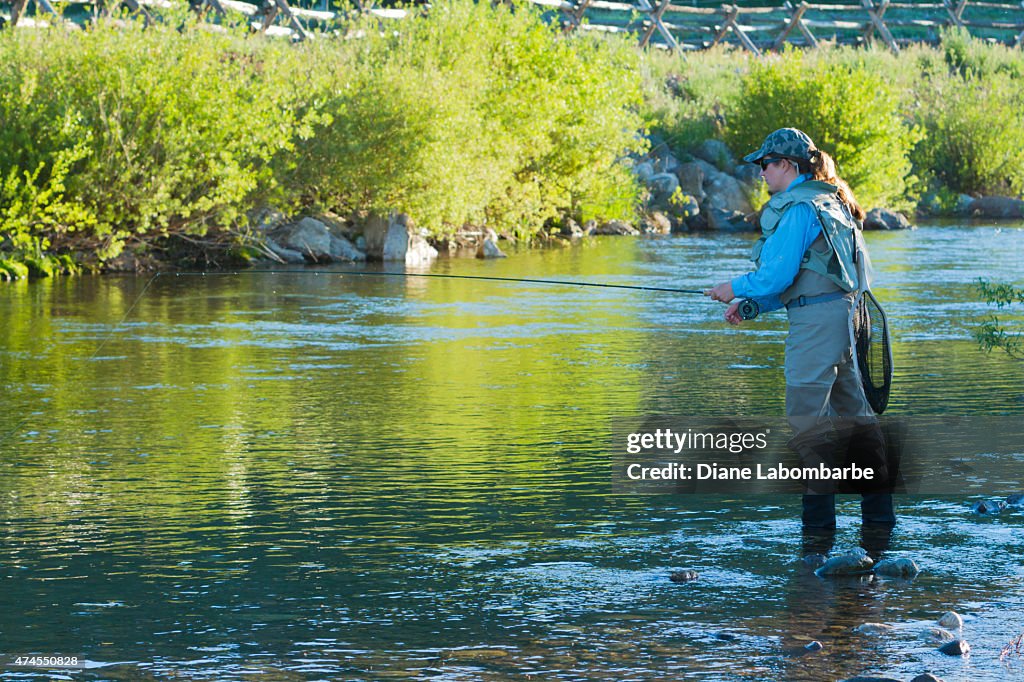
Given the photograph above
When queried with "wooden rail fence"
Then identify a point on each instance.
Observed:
(658, 23)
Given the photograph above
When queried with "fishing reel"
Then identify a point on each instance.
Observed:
(748, 309)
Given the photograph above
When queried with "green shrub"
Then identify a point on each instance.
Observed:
(120, 136)
(973, 120)
(850, 110)
(511, 123)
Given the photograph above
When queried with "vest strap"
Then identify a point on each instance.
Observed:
(801, 301)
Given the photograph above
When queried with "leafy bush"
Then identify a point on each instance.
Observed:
(850, 110)
(119, 137)
(973, 119)
(992, 334)
(510, 123)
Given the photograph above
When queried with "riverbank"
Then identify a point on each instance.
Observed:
(121, 147)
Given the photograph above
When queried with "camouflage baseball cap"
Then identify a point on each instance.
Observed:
(784, 142)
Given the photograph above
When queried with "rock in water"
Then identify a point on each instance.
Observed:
(814, 646)
(958, 647)
(1015, 500)
(814, 561)
(926, 677)
(853, 562)
(871, 678)
(988, 507)
(683, 576)
(951, 620)
(937, 635)
(489, 249)
(874, 629)
(883, 219)
(897, 568)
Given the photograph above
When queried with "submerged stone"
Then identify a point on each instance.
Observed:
(952, 620)
(958, 647)
(853, 562)
(937, 635)
(897, 568)
(1015, 500)
(683, 576)
(874, 629)
(988, 507)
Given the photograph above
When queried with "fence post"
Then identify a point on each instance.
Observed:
(16, 11)
(955, 15)
(795, 21)
(880, 26)
(655, 18)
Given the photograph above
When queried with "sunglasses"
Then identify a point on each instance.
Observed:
(764, 163)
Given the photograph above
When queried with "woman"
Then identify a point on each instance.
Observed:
(805, 261)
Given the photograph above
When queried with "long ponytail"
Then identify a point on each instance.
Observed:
(822, 167)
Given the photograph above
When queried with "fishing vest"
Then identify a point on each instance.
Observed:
(836, 262)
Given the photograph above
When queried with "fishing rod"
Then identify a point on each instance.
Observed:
(748, 309)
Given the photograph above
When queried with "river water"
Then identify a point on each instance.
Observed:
(310, 476)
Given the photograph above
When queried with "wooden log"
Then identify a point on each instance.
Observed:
(681, 9)
(388, 13)
(313, 14)
(836, 8)
(241, 7)
(994, 24)
(554, 4)
(836, 25)
(615, 6)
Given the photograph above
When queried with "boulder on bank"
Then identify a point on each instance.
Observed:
(615, 227)
(722, 190)
(309, 237)
(884, 219)
(284, 255)
(727, 221)
(393, 239)
(656, 223)
(691, 180)
(662, 187)
(344, 250)
(715, 152)
(997, 207)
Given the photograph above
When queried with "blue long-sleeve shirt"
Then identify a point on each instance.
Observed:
(781, 255)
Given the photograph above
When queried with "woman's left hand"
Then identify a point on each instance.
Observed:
(721, 292)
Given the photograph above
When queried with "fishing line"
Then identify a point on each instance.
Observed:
(368, 273)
